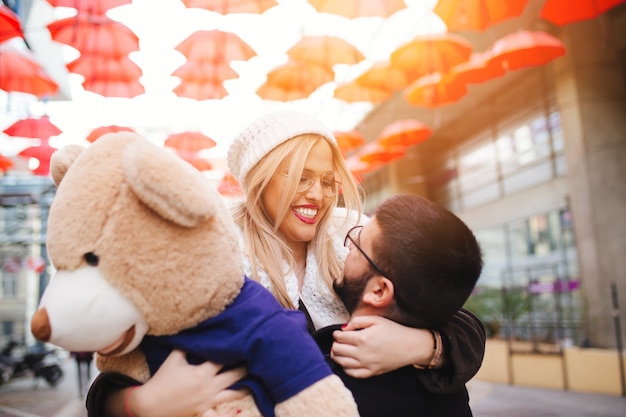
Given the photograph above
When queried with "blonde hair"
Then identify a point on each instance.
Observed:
(264, 246)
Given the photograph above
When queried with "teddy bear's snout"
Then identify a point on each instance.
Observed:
(40, 325)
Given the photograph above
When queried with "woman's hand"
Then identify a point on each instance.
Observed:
(374, 345)
(179, 389)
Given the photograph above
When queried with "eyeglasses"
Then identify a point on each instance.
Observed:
(352, 237)
(330, 186)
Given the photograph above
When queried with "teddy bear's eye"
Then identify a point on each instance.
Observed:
(91, 258)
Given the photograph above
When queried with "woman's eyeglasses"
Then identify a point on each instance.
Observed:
(330, 186)
(352, 237)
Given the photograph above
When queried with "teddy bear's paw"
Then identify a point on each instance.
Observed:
(327, 397)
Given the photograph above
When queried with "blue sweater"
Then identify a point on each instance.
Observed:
(256, 332)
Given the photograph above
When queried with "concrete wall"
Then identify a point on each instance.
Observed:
(576, 369)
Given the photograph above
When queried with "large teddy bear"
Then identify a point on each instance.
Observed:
(147, 260)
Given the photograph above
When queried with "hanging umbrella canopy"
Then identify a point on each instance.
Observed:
(477, 15)
(97, 67)
(98, 7)
(435, 90)
(293, 80)
(42, 154)
(216, 46)
(123, 88)
(94, 35)
(34, 128)
(478, 69)
(6, 163)
(374, 152)
(430, 53)
(103, 130)
(203, 80)
(358, 168)
(354, 91)
(525, 49)
(190, 142)
(199, 163)
(231, 6)
(405, 133)
(326, 51)
(383, 76)
(563, 12)
(229, 186)
(349, 140)
(10, 24)
(22, 73)
(358, 8)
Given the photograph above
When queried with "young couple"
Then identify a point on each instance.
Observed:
(404, 276)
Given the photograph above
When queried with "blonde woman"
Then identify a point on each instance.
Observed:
(300, 201)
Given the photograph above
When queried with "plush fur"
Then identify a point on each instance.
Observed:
(144, 245)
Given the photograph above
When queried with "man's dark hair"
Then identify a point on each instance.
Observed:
(432, 256)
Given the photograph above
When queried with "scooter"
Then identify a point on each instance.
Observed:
(39, 363)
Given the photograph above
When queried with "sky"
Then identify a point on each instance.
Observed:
(163, 24)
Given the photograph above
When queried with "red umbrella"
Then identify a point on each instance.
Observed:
(354, 91)
(406, 132)
(294, 80)
(435, 90)
(94, 34)
(232, 6)
(22, 73)
(525, 49)
(358, 8)
(10, 24)
(203, 80)
(358, 167)
(349, 140)
(99, 7)
(98, 67)
(229, 186)
(216, 46)
(41, 153)
(562, 12)
(33, 127)
(103, 130)
(5, 163)
(478, 69)
(326, 51)
(190, 142)
(477, 15)
(374, 152)
(430, 53)
(201, 164)
(125, 88)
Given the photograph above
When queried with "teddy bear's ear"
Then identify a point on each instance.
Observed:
(168, 185)
(62, 159)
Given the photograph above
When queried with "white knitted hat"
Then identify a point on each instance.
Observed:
(266, 133)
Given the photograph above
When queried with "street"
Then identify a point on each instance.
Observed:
(23, 398)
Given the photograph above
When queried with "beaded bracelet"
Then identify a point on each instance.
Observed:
(437, 352)
(127, 400)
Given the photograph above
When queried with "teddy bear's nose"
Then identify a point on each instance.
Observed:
(40, 325)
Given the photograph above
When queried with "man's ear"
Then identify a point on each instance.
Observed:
(378, 292)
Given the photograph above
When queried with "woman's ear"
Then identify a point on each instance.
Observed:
(379, 292)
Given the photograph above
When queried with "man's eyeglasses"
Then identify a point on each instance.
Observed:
(330, 186)
(352, 237)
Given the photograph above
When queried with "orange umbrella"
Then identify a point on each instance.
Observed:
(430, 53)
(42, 154)
(5, 163)
(99, 7)
(406, 132)
(215, 45)
(94, 34)
(477, 15)
(525, 49)
(190, 142)
(293, 80)
(563, 12)
(374, 153)
(326, 51)
(22, 73)
(478, 69)
(229, 186)
(358, 8)
(199, 163)
(435, 90)
(34, 128)
(10, 24)
(349, 140)
(353, 91)
(384, 76)
(231, 6)
(103, 130)
(203, 80)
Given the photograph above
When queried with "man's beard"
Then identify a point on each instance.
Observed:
(350, 290)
